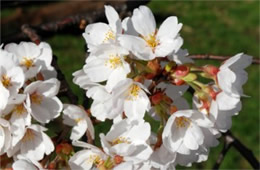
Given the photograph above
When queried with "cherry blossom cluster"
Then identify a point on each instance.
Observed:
(135, 71)
(137, 77)
(28, 89)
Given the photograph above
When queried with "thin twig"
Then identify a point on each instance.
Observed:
(215, 57)
(229, 141)
(227, 145)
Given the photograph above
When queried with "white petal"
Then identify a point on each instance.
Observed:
(169, 28)
(4, 95)
(128, 27)
(49, 147)
(168, 46)
(137, 46)
(143, 21)
(23, 165)
(113, 19)
(80, 161)
(49, 87)
(78, 130)
(140, 132)
(49, 109)
(116, 76)
(95, 67)
(226, 102)
(95, 34)
(193, 137)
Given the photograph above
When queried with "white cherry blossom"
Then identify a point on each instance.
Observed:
(163, 159)
(128, 140)
(185, 132)
(130, 97)
(108, 60)
(23, 163)
(20, 118)
(5, 136)
(152, 42)
(33, 58)
(11, 77)
(232, 76)
(34, 144)
(77, 117)
(103, 107)
(45, 106)
(101, 33)
(88, 158)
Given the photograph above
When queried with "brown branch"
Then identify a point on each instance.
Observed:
(31, 33)
(215, 57)
(74, 23)
(230, 141)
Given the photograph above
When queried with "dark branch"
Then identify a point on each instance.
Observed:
(229, 141)
(215, 57)
(73, 24)
(227, 145)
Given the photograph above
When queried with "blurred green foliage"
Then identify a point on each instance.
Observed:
(209, 27)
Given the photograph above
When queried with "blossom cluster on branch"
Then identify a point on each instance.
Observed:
(137, 76)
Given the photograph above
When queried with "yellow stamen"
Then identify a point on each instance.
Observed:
(133, 92)
(27, 62)
(29, 135)
(109, 36)
(6, 81)
(114, 61)
(95, 159)
(36, 98)
(151, 40)
(78, 120)
(120, 140)
(182, 122)
(19, 109)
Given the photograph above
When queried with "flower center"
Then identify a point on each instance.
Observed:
(120, 140)
(78, 120)
(36, 98)
(182, 122)
(109, 36)
(133, 91)
(151, 40)
(19, 109)
(29, 136)
(114, 61)
(27, 62)
(95, 159)
(6, 81)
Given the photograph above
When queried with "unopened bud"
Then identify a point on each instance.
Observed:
(154, 66)
(211, 70)
(156, 98)
(64, 148)
(178, 82)
(181, 71)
